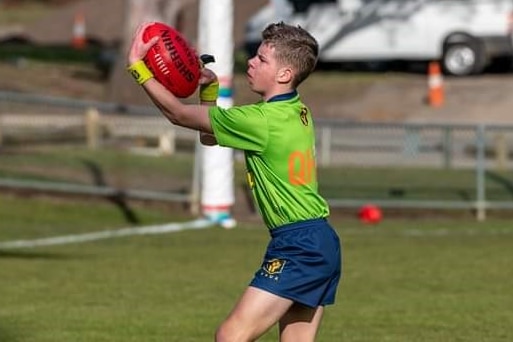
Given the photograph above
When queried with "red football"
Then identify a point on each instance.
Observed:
(173, 62)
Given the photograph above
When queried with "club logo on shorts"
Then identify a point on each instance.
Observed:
(274, 266)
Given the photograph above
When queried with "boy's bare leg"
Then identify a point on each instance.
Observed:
(255, 313)
(300, 323)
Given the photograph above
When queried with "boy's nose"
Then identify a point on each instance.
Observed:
(250, 62)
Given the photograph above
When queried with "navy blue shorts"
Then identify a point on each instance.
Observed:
(303, 263)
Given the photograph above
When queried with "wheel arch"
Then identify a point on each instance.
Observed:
(460, 37)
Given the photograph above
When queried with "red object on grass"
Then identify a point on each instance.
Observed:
(370, 214)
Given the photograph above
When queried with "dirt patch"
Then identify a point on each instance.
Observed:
(401, 97)
(384, 97)
(77, 81)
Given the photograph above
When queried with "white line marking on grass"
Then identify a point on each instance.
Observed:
(106, 234)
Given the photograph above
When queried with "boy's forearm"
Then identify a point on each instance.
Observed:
(168, 104)
(189, 116)
(208, 94)
(207, 139)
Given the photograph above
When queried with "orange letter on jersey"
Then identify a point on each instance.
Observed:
(301, 167)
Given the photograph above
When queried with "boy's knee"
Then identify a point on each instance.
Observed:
(230, 333)
(223, 334)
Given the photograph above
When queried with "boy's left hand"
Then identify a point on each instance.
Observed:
(207, 77)
(209, 86)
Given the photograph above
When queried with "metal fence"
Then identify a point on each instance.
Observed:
(412, 145)
(478, 151)
(422, 157)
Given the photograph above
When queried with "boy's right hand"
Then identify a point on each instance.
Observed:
(139, 48)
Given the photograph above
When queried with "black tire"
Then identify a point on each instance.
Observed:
(463, 58)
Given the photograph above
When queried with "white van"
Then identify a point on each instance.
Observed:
(464, 35)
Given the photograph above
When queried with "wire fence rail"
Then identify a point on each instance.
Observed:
(483, 150)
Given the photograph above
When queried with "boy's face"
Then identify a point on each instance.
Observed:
(262, 70)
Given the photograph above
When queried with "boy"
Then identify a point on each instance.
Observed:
(302, 264)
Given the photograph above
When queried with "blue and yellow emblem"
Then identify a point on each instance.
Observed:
(274, 266)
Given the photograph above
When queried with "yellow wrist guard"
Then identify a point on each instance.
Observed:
(140, 72)
(209, 92)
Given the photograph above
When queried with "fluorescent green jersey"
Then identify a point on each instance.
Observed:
(278, 140)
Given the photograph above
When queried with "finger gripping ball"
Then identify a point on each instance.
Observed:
(173, 62)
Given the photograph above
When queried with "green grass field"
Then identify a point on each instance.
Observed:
(422, 279)
(404, 280)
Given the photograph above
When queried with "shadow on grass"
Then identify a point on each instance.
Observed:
(16, 254)
(413, 193)
(119, 199)
(8, 336)
(506, 183)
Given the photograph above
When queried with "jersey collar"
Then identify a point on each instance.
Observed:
(283, 97)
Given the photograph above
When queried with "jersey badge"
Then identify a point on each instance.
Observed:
(304, 116)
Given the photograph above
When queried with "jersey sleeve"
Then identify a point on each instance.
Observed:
(240, 127)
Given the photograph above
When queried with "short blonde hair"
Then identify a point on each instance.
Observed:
(293, 46)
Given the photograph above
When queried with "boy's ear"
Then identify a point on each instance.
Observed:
(284, 75)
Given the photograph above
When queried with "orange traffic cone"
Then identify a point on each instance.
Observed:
(435, 83)
(79, 31)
